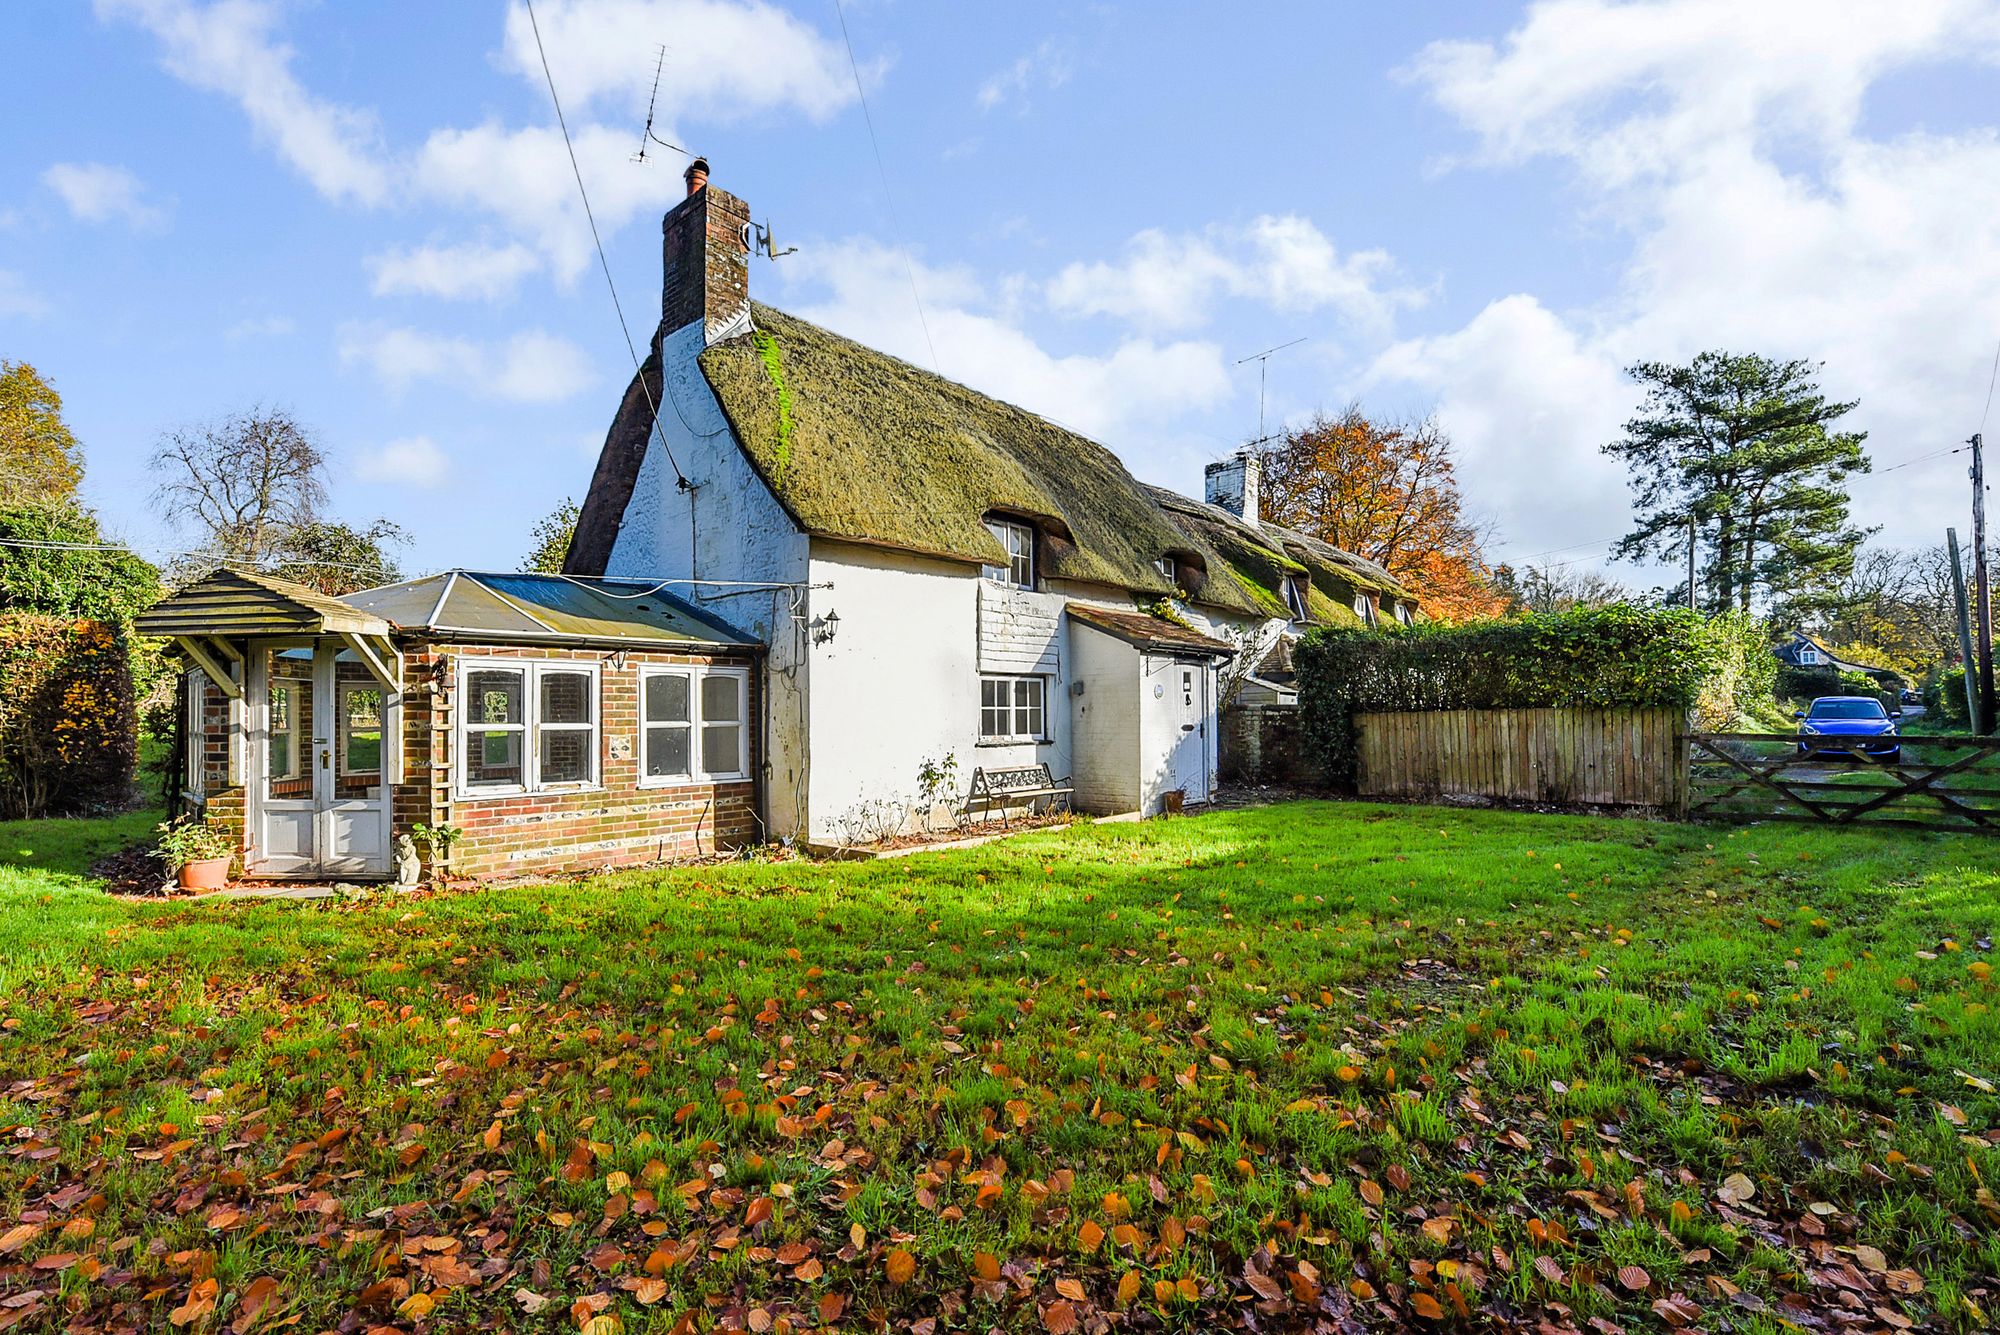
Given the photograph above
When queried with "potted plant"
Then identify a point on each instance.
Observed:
(436, 842)
(198, 853)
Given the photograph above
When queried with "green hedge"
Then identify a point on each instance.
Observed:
(1800, 684)
(1587, 657)
(68, 731)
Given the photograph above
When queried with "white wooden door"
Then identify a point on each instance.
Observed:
(1188, 696)
(322, 808)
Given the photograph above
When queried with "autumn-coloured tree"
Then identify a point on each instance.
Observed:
(1387, 491)
(40, 461)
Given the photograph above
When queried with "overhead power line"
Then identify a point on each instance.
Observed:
(603, 263)
(888, 196)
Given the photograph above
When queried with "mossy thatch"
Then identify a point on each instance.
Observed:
(875, 450)
(1259, 559)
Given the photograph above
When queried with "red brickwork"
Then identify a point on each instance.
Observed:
(707, 263)
(615, 823)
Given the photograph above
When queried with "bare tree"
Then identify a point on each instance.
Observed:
(243, 481)
(1557, 588)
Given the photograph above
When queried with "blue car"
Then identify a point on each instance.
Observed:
(1849, 716)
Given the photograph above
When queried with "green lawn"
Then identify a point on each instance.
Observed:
(1338, 1064)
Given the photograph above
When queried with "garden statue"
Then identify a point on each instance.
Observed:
(408, 868)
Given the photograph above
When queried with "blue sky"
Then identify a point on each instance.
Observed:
(362, 213)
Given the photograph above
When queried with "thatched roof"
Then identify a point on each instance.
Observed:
(864, 447)
(861, 446)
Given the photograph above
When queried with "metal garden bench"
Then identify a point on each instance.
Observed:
(999, 788)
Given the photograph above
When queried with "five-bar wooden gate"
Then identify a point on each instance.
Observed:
(1930, 783)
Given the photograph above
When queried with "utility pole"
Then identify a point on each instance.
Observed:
(1981, 590)
(1964, 632)
(1691, 535)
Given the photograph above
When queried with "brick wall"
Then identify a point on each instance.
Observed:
(707, 266)
(1262, 744)
(616, 823)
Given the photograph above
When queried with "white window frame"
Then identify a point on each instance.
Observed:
(530, 727)
(1013, 708)
(195, 782)
(1293, 587)
(1808, 656)
(1018, 539)
(1403, 613)
(1364, 607)
(697, 721)
(292, 687)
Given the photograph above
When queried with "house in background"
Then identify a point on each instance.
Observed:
(1808, 651)
(933, 572)
(558, 723)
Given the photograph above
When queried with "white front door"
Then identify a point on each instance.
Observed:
(321, 807)
(1188, 697)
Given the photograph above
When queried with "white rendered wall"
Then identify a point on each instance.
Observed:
(729, 529)
(1105, 721)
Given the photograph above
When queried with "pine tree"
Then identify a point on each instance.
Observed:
(1741, 445)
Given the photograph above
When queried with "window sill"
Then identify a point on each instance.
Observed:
(689, 781)
(495, 794)
(1012, 741)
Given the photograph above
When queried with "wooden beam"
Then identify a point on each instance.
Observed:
(229, 651)
(216, 673)
(366, 651)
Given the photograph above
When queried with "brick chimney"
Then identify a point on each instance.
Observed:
(707, 259)
(1232, 484)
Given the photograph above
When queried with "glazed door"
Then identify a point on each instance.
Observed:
(323, 809)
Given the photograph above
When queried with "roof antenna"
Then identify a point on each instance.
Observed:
(757, 236)
(647, 135)
(1263, 360)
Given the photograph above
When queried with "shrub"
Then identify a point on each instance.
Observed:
(1944, 697)
(68, 732)
(1585, 657)
(1800, 684)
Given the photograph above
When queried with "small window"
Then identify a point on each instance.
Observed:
(1403, 613)
(1011, 709)
(696, 724)
(1809, 657)
(1295, 596)
(1019, 541)
(284, 756)
(1165, 565)
(527, 727)
(1364, 607)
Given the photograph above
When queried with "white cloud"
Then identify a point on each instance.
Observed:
(1173, 281)
(1763, 218)
(529, 367)
(98, 192)
(728, 59)
(229, 47)
(522, 177)
(451, 271)
(1049, 65)
(414, 461)
(725, 58)
(863, 292)
(17, 299)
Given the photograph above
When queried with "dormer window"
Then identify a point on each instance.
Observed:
(1019, 541)
(1403, 613)
(1808, 657)
(1295, 596)
(1165, 565)
(1364, 607)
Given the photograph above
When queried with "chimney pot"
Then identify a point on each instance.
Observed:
(696, 175)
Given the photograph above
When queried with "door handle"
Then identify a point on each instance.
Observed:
(1187, 727)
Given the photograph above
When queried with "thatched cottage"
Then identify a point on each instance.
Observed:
(936, 574)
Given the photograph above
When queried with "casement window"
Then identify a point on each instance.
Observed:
(1364, 607)
(196, 733)
(284, 735)
(695, 723)
(1011, 709)
(1295, 596)
(1165, 565)
(1403, 613)
(1808, 657)
(526, 726)
(1019, 541)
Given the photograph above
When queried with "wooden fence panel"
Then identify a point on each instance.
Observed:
(1594, 757)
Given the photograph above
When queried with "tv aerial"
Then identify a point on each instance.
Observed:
(757, 240)
(646, 136)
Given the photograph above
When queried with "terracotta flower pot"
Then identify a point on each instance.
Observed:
(205, 874)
